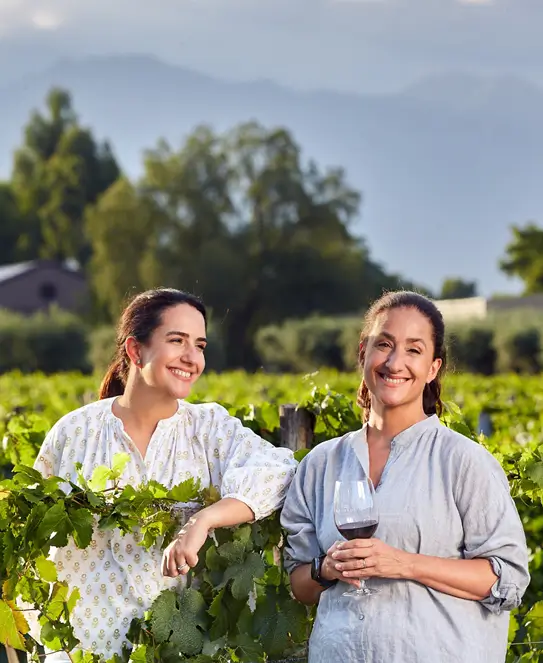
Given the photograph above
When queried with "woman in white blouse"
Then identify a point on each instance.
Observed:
(160, 354)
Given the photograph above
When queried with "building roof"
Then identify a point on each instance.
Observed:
(8, 272)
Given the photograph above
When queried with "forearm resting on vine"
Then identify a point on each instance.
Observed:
(182, 553)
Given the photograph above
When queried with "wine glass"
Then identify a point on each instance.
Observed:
(356, 517)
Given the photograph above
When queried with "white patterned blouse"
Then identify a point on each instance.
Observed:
(117, 578)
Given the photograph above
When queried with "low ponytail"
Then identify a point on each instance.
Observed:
(114, 381)
(431, 398)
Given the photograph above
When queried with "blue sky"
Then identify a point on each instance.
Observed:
(356, 45)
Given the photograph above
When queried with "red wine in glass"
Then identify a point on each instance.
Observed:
(356, 517)
(362, 530)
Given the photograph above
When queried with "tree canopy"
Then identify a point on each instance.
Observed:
(57, 172)
(457, 288)
(524, 257)
(239, 218)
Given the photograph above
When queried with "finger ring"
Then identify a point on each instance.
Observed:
(363, 563)
(183, 567)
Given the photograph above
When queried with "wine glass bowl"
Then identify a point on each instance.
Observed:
(356, 517)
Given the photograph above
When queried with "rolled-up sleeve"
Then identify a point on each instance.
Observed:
(250, 469)
(297, 519)
(493, 529)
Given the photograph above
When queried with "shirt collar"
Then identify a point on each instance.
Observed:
(405, 437)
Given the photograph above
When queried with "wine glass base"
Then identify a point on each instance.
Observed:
(360, 593)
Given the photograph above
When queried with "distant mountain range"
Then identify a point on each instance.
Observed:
(445, 166)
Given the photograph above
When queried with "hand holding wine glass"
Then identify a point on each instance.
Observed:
(356, 517)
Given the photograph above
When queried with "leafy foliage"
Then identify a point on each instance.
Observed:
(523, 257)
(236, 606)
(211, 623)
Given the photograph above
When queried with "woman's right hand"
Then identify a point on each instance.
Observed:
(329, 571)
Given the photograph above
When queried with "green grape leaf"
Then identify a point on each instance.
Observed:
(139, 654)
(184, 492)
(99, 479)
(211, 647)
(273, 628)
(82, 522)
(111, 521)
(244, 575)
(156, 490)
(180, 624)
(55, 607)
(248, 649)
(301, 454)
(535, 472)
(163, 610)
(73, 599)
(513, 626)
(232, 551)
(80, 656)
(186, 636)
(244, 534)
(50, 636)
(533, 622)
(54, 527)
(192, 606)
(95, 501)
(120, 461)
(23, 475)
(10, 625)
(47, 569)
(210, 495)
(213, 560)
(217, 609)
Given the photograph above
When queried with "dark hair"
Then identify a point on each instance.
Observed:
(140, 318)
(431, 398)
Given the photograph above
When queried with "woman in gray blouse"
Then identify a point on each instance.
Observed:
(449, 557)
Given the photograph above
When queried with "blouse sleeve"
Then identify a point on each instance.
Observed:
(48, 459)
(493, 529)
(246, 467)
(298, 517)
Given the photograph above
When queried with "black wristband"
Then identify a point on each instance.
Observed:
(316, 566)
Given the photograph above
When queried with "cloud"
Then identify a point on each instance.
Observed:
(45, 20)
(15, 15)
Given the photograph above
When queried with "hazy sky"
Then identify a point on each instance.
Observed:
(362, 45)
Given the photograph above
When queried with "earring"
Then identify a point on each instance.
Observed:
(138, 362)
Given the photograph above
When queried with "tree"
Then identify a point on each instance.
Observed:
(58, 171)
(9, 225)
(456, 288)
(240, 220)
(123, 228)
(524, 257)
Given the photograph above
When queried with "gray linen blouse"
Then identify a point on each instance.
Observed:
(440, 494)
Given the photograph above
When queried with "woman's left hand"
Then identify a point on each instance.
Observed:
(370, 558)
(182, 553)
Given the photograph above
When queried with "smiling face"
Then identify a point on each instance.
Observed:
(173, 359)
(399, 359)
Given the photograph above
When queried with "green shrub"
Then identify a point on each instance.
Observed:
(47, 342)
(309, 344)
(101, 348)
(471, 349)
(520, 351)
